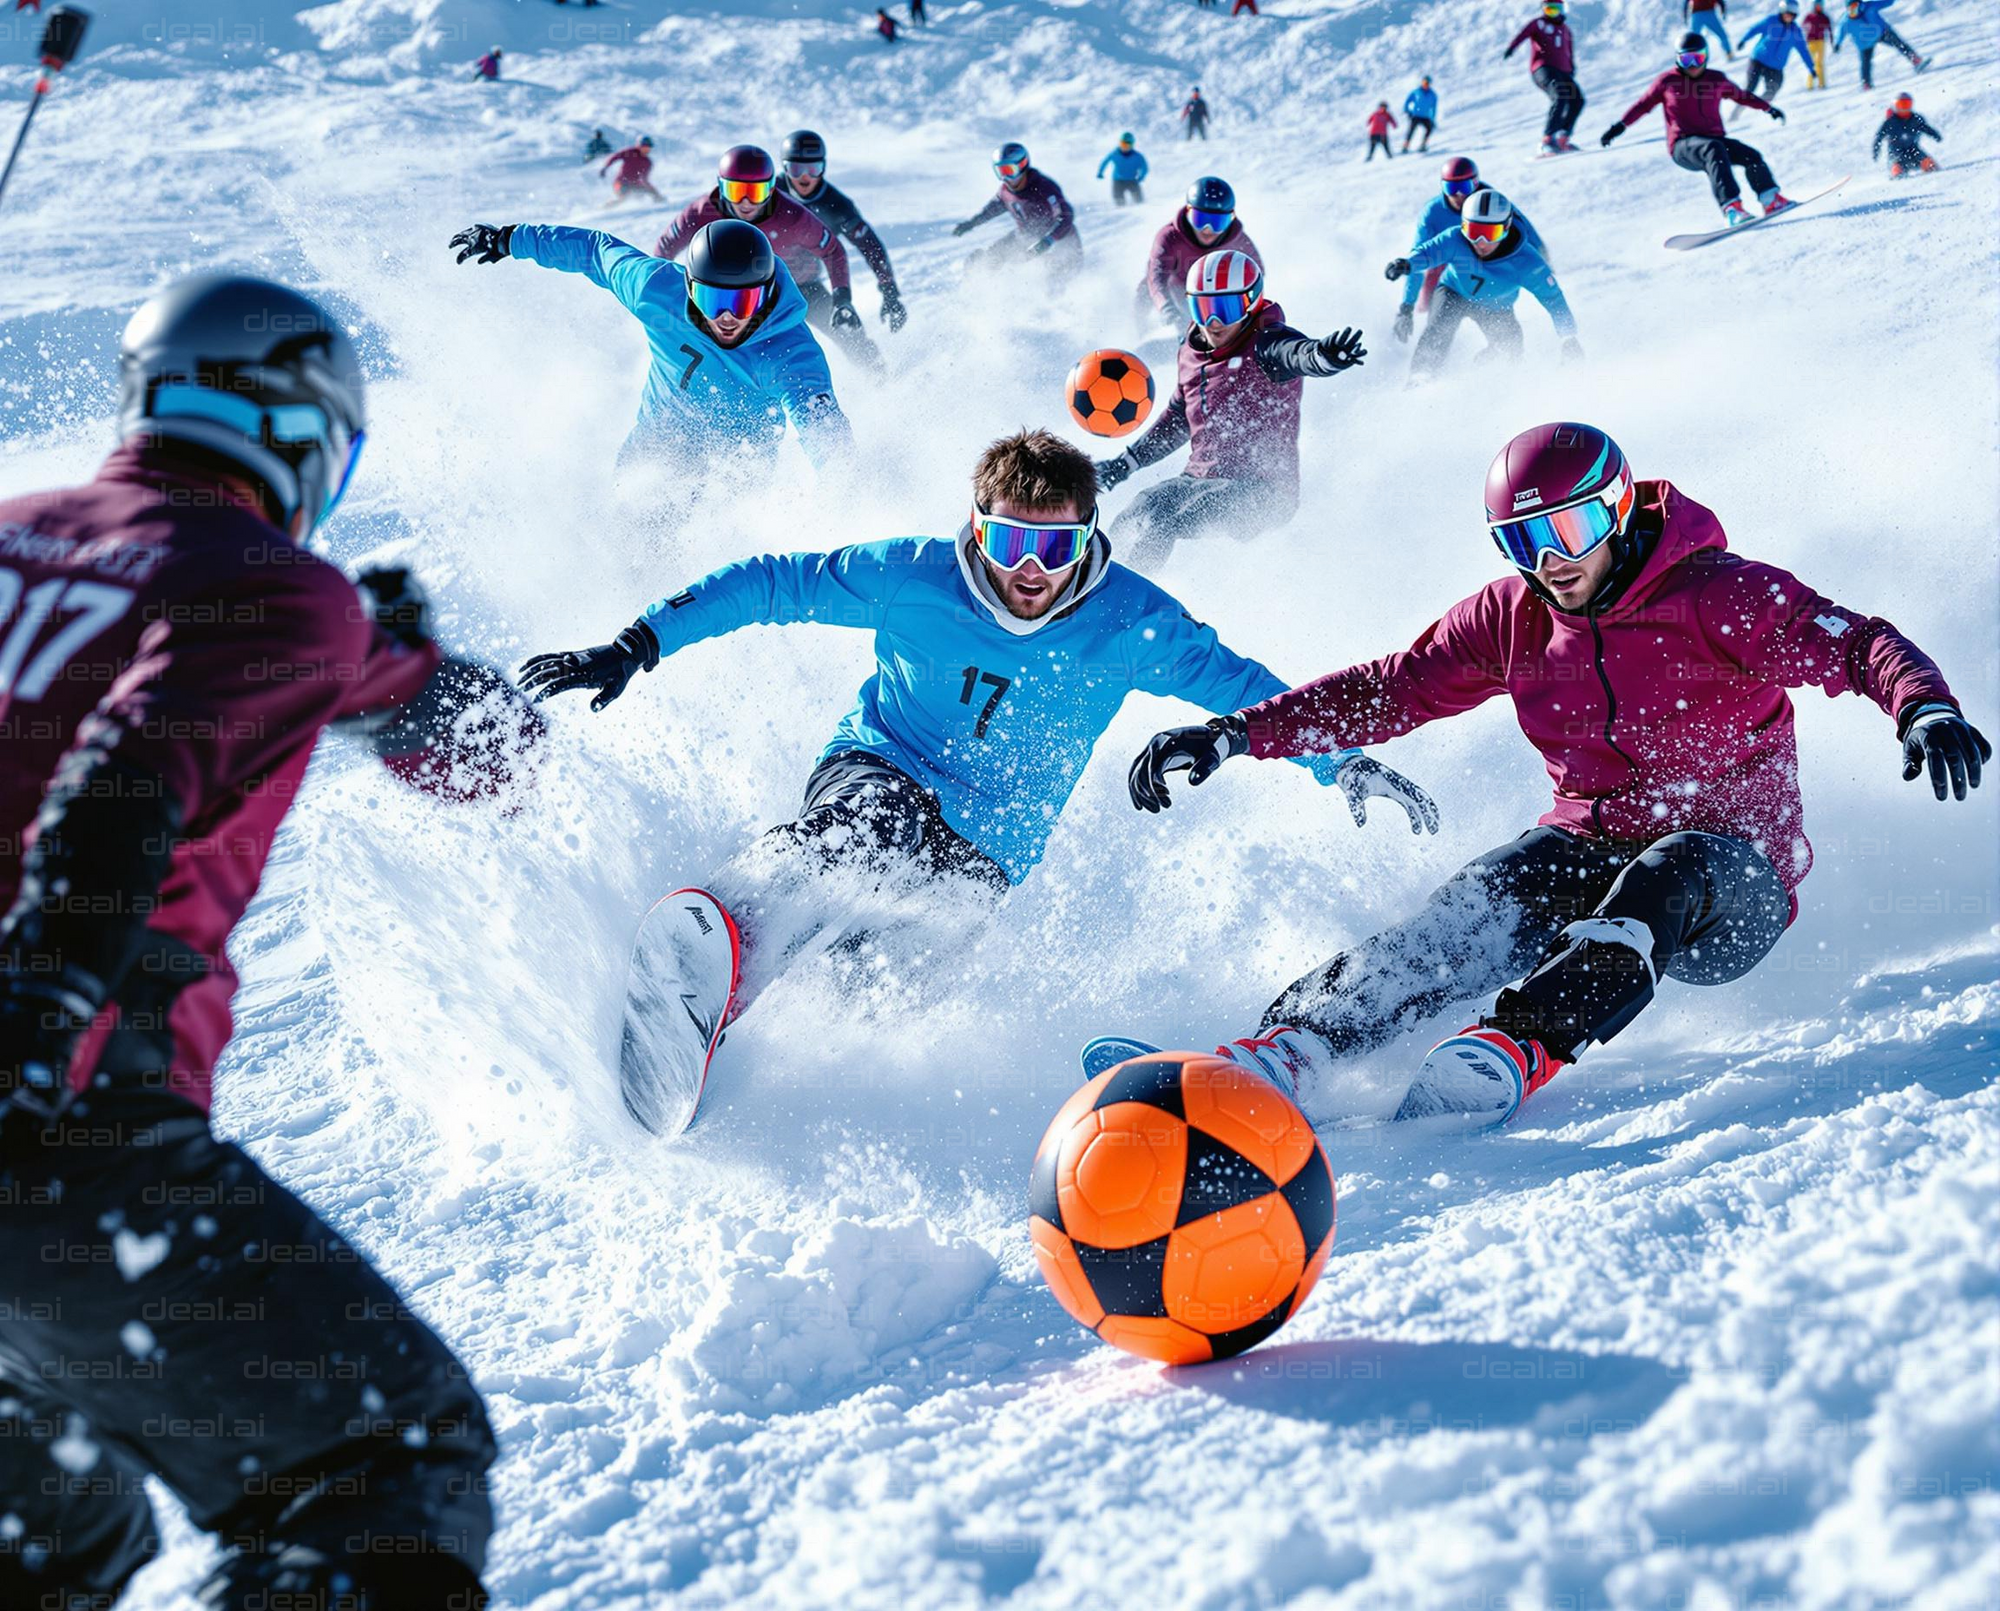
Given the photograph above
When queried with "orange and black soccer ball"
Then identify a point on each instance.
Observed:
(1110, 392)
(1181, 1207)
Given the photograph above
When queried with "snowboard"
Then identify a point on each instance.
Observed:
(1108, 1051)
(1687, 243)
(1464, 1082)
(687, 963)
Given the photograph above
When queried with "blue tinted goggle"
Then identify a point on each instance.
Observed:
(1215, 221)
(1460, 187)
(278, 422)
(1010, 544)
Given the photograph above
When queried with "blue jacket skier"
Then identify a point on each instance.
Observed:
(1001, 657)
(1487, 263)
(1420, 110)
(721, 378)
(1128, 167)
(1773, 42)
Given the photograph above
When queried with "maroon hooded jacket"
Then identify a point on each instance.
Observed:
(1550, 44)
(801, 240)
(1693, 105)
(1666, 713)
(1175, 251)
(144, 615)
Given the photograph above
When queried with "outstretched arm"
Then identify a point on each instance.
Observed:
(620, 267)
(1285, 354)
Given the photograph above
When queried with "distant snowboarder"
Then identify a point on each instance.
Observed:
(805, 179)
(1691, 98)
(1235, 406)
(1380, 122)
(1552, 65)
(1705, 17)
(1459, 179)
(1901, 128)
(1420, 107)
(1864, 25)
(1818, 28)
(918, 16)
(488, 66)
(635, 170)
(885, 25)
(1650, 666)
(1488, 261)
(1194, 116)
(1129, 168)
(598, 147)
(1776, 38)
(1043, 218)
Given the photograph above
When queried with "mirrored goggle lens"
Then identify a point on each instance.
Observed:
(1218, 222)
(346, 473)
(1460, 187)
(805, 170)
(1692, 58)
(1484, 232)
(740, 300)
(1010, 170)
(1572, 532)
(746, 189)
(1011, 543)
(1225, 307)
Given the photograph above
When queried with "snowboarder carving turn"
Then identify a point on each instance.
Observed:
(1650, 666)
(635, 171)
(1690, 98)
(1043, 218)
(1901, 129)
(1488, 261)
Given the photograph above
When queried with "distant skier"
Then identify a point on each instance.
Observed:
(1459, 179)
(885, 25)
(1488, 261)
(176, 647)
(805, 179)
(1902, 128)
(918, 16)
(1236, 406)
(938, 792)
(1777, 37)
(1241, 6)
(1420, 107)
(732, 356)
(1128, 171)
(1650, 666)
(1818, 28)
(746, 188)
(598, 147)
(1552, 65)
(1042, 216)
(635, 171)
(1194, 116)
(488, 66)
(1691, 98)
(1864, 25)
(1380, 122)
(1705, 17)
(1205, 223)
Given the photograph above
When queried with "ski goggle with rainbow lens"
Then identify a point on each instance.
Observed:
(739, 300)
(1484, 232)
(1010, 170)
(1688, 60)
(1218, 222)
(736, 190)
(1010, 544)
(805, 170)
(1568, 533)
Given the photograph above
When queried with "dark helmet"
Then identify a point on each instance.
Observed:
(645, 142)
(253, 373)
(802, 145)
(1694, 42)
(732, 254)
(1459, 170)
(1012, 154)
(1209, 194)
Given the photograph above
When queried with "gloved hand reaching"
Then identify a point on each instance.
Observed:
(894, 314)
(606, 668)
(1343, 349)
(1200, 750)
(1398, 267)
(485, 243)
(1937, 738)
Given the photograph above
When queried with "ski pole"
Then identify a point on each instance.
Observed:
(62, 37)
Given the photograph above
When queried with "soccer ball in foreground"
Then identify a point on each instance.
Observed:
(1110, 393)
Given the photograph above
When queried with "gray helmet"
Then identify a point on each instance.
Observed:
(253, 372)
(1485, 207)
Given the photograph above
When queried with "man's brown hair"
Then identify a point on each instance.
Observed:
(1035, 470)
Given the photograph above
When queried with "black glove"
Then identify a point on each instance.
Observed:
(1112, 471)
(844, 316)
(487, 243)
(398, 602)
(1938, 738)
(893, 311)
(607, 668)
(41, 1020)
(1611, 134)
(1777, 113)
(1398, 267)
(962, 227)
(1200, 749)
(1405, 317)
(1343, 349)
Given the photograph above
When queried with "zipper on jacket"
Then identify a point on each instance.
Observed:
(1610, 715)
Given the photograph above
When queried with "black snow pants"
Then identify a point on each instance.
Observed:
(1765, 81)
(1592, 923)
(1448, 310)
(1124, 190)
(1378, 142)
(1417, 123)
(1706, 153)
(1190, 506)
(167, 1309)
(1565, 99)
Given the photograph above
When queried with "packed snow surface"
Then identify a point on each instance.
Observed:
(1716, 1324)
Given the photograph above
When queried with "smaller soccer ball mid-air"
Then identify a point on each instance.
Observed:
(1181, 1207)
(1110, 392)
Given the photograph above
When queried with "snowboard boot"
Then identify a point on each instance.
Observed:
(1774, 201)
(1283, 1055)
(1735, 214)
(1478, 1073)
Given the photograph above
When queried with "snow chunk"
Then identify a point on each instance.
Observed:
(137, 1254)
(138, 1339)
(74, 1451)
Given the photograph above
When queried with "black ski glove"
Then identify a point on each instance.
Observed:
(1112, 471)
(962, 227)
(1405, 317)
(844, 316)
(1343, 349)
(1199, 749)
(486, 243)
(607, 668)
(1398, 267)
(894, 314)
(1938, 738)
(1776, 112)
(1611, 134)
(398, 602)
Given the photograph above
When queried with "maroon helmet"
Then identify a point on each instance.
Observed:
(746, 173)
(1460, 169)
(1558, 489)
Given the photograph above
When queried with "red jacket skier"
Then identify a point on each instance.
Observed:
(635, 169)
(1691, 98)
(488, 66)
(1380, 122)
(1205, 223)
(1649, 666)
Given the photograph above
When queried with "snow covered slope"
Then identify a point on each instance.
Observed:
(1715, 1326)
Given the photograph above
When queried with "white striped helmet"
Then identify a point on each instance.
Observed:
(1224, 287)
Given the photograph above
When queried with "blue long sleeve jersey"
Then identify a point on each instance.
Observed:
(999, 725)
(1439, 217)
(1495, 281)
(1775, 40)
(1421, 102)
(1130, 165)
(699, 391)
